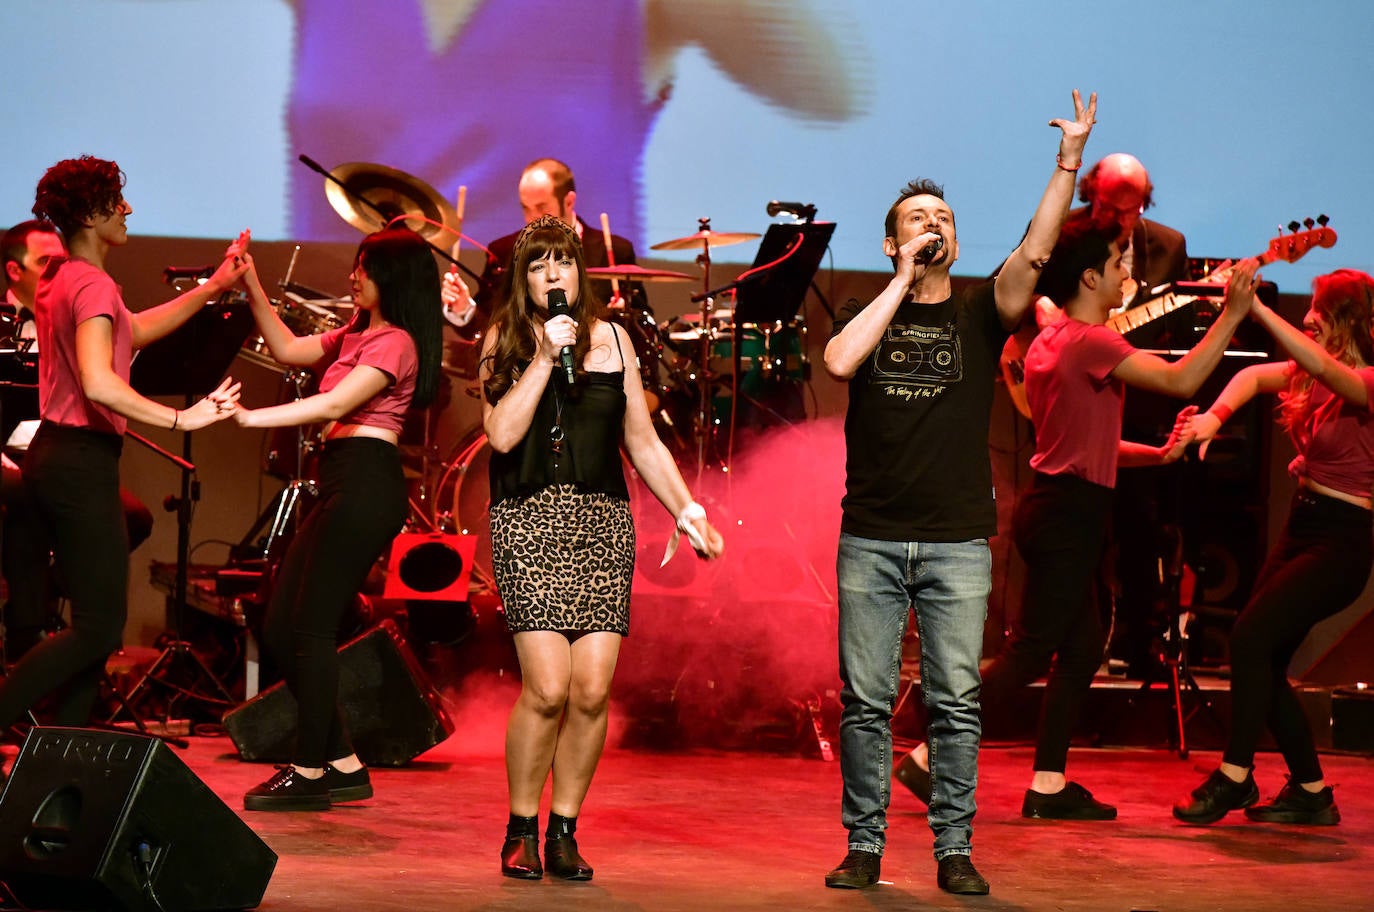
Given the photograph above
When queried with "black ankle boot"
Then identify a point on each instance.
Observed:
(520, 854)
(560, 850)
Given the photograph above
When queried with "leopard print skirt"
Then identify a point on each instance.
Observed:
(563, 560)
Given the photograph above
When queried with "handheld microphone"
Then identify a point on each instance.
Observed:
(928, 251)
(800, 210)
(558, 307)
(174, 273)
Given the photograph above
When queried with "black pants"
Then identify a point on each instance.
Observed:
(24, 549)
(1060, 528)
(362, 507)
(71, 476)
(1319, 566)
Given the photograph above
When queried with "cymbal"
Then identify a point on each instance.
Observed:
(394, 193)
(705, 238)
(637, 273)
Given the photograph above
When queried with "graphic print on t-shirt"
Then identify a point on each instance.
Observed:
(918, 362)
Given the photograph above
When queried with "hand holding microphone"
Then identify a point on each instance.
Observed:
(558, 307)
(928, 253)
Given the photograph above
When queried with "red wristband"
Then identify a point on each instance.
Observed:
(1221, 412)
(1059, 163)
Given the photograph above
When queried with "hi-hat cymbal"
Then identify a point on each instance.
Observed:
(705, 238)
(637, 273)
(394, 193)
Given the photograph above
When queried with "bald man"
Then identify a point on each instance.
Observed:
(1118, 191)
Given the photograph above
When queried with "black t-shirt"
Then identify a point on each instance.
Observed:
(916, 431)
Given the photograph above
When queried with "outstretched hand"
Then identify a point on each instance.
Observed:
(1075, 132)
(218, 405)
(1242, 286)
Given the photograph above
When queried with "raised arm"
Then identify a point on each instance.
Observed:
(1016, 281)
(286, 347)
(147, 326)
(1182, 378)
(1336, 376)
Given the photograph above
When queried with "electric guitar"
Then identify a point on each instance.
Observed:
(1287, 247)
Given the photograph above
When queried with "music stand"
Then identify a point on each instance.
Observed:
(786, 263)
(775, 294)
(189, 362)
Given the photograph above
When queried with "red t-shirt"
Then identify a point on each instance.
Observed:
(70, 292)
(1336, 443)
(1075, 403)
(390, 350)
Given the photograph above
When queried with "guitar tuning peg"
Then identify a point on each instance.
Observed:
(1322, 220)
(1308, 222)
(1293, 225)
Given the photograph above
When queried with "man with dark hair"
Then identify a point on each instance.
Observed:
(917, 513)
(1077, 370)
(24, 253)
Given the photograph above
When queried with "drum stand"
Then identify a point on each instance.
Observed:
(289, 505)
(1171, 668)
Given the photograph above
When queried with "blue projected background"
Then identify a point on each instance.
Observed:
(1247, 114)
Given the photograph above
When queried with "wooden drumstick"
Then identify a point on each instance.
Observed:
(462, 204)
(610, 252)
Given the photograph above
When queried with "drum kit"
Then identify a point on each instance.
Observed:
(695, 369)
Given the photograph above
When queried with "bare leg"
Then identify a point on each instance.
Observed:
(584, 723)
(546, 662)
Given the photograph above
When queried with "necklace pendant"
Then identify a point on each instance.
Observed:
(556, 439)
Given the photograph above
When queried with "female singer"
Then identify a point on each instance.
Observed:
(374, 369)
(71, 471)
(1323, 557)
(558, 402)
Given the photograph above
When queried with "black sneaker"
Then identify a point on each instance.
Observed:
(958, 875)
(1215, 798)
(1073, 802)
(288, 790)
(1295, 804)
(913, 777)
(859, 869)
(354, 786)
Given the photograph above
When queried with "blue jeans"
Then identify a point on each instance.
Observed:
(948, 583)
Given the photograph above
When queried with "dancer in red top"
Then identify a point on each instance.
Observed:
(1322, 559)
(71, 471)
(374, 369)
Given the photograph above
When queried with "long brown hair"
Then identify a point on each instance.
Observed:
(514, 318)
(1345, 300)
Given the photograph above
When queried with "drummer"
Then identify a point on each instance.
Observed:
(546, 187)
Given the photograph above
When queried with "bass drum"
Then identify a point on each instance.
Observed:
(467, 481)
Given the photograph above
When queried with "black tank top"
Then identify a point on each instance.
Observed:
(591, 415)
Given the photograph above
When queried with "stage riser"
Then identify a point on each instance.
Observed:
(1122, 715)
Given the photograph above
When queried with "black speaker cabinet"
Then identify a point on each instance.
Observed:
(393, 713)
(106, 820)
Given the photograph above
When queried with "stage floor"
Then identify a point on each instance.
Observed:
(733, 830)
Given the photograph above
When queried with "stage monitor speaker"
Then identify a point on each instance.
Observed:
(94, 819)
(430, 566)
(393, 712)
